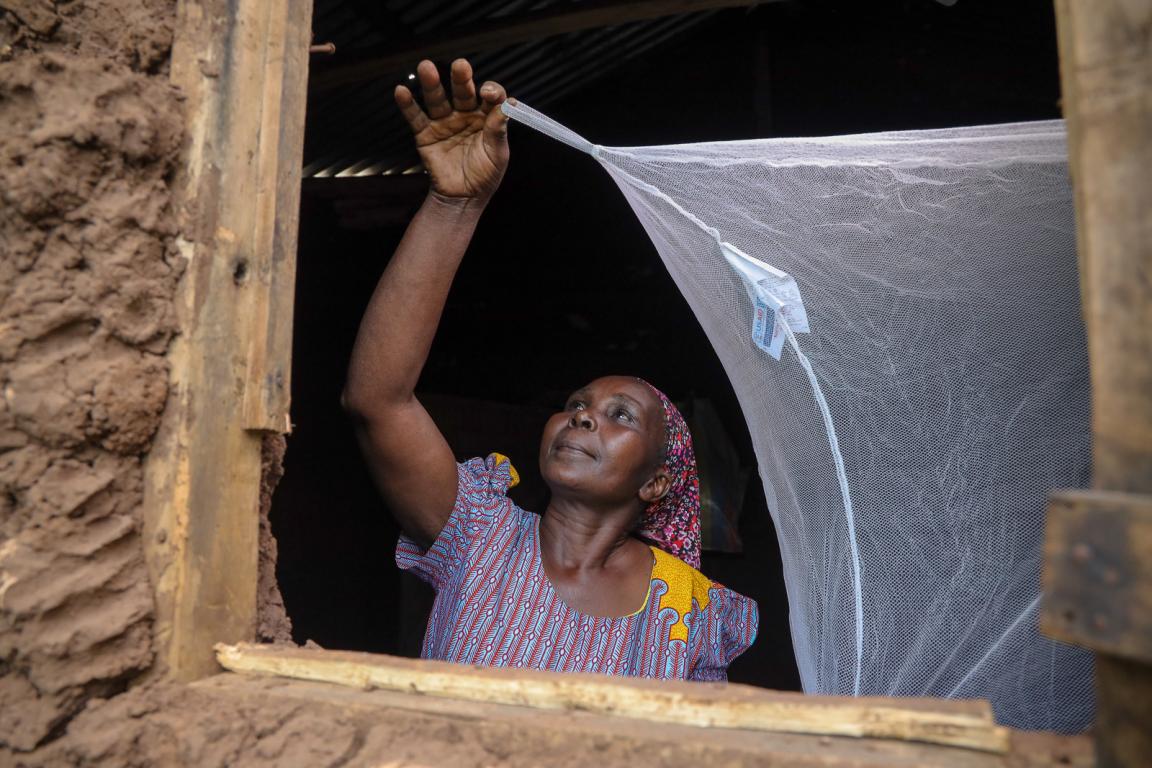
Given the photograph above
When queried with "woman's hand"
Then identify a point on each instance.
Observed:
(463, 142)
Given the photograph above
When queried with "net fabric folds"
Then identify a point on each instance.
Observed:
(899, 316)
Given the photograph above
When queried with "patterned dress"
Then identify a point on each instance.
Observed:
(495, 606)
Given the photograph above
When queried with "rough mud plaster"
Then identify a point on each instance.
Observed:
(134, 33)
(176, 725)
(272, 622)
(90, 132)
(172, 724)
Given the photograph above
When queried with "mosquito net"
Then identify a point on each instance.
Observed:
(899, 316)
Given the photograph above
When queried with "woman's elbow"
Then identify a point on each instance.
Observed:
(355, 404)
(368, 406)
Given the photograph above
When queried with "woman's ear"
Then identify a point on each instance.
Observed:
(656, 487)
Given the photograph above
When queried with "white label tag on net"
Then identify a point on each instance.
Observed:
(775, 297)
(766, 332)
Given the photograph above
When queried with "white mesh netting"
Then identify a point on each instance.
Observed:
(931, 388)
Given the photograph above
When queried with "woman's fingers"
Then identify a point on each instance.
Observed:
(435, 100)
(495, 121)
(491, 94)
(463, 89)
(415, 116)
(464, 99)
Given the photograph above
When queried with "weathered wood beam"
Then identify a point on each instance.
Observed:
(1106, 77)
(1098, 575)
(966, 724)
(272, 268)
(242, 67)
(555, 20)
(400, 724)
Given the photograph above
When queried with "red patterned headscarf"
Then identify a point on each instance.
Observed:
(673, 522)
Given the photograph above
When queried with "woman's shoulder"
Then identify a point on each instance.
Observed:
(687, 585)
(685, 589)
(482, 503)
(491, 474)
(716, 623)
(684, 584)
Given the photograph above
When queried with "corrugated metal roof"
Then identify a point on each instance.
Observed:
(354, 129)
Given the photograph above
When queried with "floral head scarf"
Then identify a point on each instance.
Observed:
(673, 522)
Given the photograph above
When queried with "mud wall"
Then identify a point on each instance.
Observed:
(273, 624)
(90, 137)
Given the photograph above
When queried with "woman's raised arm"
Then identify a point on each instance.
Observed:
(462, 140)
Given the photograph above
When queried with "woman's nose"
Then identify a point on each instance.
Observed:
(582, 420)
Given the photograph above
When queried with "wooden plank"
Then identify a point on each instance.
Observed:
(1106, 76)
(1106, 59)
(202, 477)
(958, 724)
(1098, 572)
(528, 734)
(555, 20)
(267, 397)
(1123, 733)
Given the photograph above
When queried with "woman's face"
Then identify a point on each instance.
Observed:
(607, 444)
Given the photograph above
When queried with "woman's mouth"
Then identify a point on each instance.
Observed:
(563, 446)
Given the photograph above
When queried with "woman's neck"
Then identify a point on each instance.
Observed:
(577, 537)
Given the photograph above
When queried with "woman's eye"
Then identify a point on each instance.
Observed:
(575, 405)
(623, 415)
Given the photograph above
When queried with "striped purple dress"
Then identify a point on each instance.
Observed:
(495, 606)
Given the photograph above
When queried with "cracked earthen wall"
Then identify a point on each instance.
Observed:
(91, 133)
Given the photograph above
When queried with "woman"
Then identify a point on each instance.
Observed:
(581, 588)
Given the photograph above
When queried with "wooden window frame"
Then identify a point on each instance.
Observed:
(243, 69)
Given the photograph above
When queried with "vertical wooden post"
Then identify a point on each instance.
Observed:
(243, 67)
(1106, 72)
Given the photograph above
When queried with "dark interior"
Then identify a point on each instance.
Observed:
(562, 285)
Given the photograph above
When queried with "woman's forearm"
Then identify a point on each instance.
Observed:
(463, 144)
(400, 322)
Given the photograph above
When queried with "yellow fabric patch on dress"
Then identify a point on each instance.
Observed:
(685, 584)
(502, 459)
